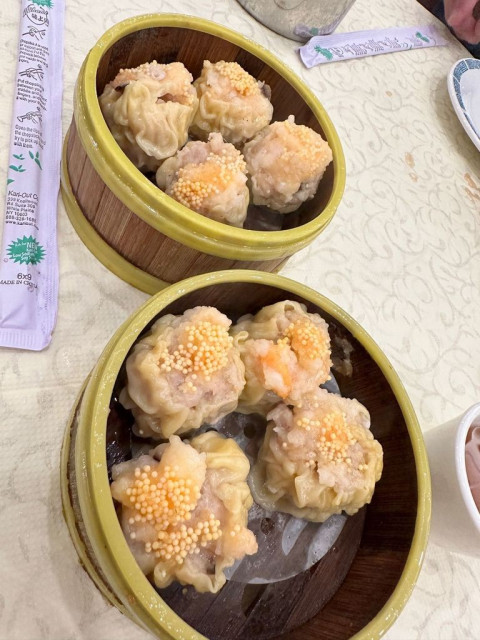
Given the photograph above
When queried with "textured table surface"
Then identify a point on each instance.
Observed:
(401, 255)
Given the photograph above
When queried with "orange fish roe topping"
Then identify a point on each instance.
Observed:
(203, 352)
(333, 438)
(167, 501)
(309, 152)
(197, 182)
(147, 69)
(240, 80)
(174, 74)
(306, 339)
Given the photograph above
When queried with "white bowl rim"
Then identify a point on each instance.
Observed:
(460, 111)
(464, 425)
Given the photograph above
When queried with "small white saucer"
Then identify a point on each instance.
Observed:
(464, 89)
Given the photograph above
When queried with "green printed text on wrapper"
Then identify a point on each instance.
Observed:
(26, 251)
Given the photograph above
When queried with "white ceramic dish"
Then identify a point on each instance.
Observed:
(455, 517)
(464, 89)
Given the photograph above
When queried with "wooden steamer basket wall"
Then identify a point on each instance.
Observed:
(357, 589)
(136, 230)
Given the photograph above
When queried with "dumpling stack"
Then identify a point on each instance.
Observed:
(152, 110)
(184, 506)
(318, 457)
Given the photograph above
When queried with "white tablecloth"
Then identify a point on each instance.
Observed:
(401, 255)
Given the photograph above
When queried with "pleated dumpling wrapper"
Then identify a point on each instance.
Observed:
(317, 459)
(185, 510)
(231, 102)
(186, 372)
(149, 110)
(286, 352)
(210, 178)
(286, 162)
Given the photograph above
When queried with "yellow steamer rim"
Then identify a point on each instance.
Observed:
(114, 568)
(154, 207)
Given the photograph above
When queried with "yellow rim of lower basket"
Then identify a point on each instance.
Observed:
(110, 259)
(159, 210)
(100, 518)
(69, 514)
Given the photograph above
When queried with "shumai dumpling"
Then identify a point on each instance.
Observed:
(231, 102)
(318, 458)
(186, 372)
(185, 510)
(285, 162)
(210, 178)
(286, 352)
(149, 110)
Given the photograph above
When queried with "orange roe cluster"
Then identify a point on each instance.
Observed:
(310, 151)
(172, 75)
(241, 81)
(198, 182)
(306, 339)
(203, 352)
(166, 501)
(152, 70)
(333, 438)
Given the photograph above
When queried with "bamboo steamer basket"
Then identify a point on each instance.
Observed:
(357, 590)
(135, 229)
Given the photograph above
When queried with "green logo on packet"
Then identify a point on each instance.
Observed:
(43, 3)
(326, 53)
(26, 251)
(422, 37)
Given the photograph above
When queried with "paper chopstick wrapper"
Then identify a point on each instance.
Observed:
(28, 261)
(359, 44)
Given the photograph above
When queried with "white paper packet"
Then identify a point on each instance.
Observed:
(359, 44)
(28, 260)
